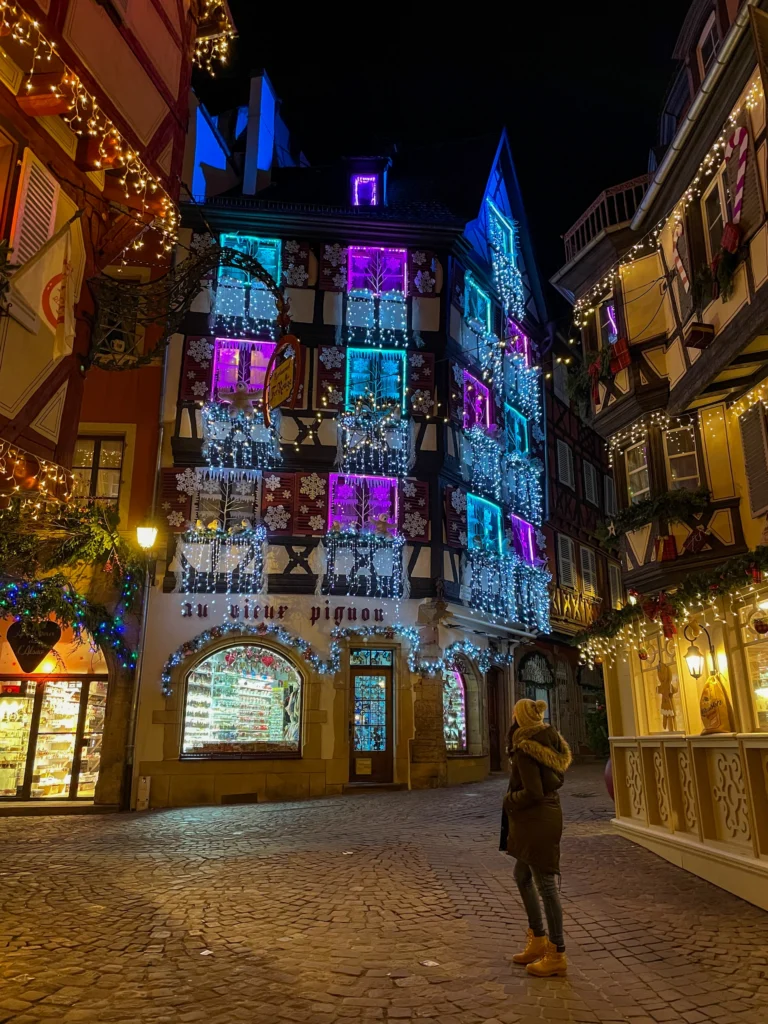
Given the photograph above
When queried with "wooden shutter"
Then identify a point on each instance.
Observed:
(197, 370)
(295, 264)
(455, 517)
(333, 267)
(420, 381)
(176, 504)
(565, 566)
(752, 207)
(609, 495)
(422, 272)
(590, 484)
(614, 582)
(565, 464)
(330, 383)
(456, 392)
(278, 500)
(560, 382)
(755, 444)
(35, 213)
(588, 572)
(310, 509)
(414, 512)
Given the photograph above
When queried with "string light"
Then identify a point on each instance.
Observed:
(216, 32)
(35, 480)
(241, 440)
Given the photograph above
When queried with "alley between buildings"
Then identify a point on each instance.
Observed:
(389, 907)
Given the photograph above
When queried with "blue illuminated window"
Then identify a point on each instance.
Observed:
(516, 431)
(375, 378)
(483, 524)
(239, 294)
(477, 305)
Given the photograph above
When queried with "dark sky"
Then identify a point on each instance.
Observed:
(578, 85)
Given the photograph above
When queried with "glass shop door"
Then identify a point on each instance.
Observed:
(371, 726)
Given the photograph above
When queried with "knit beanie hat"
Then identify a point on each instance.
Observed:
(529, 713)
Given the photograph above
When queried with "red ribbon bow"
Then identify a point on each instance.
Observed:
(661, 608)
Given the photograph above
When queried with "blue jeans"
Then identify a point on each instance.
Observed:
(526, 876)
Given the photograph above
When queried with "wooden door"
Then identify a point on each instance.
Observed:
(372, 740)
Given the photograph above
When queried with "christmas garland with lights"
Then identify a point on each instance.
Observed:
(672, 506)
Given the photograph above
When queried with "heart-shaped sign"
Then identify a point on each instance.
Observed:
(30, 650)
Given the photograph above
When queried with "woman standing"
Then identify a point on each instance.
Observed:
(533, 823)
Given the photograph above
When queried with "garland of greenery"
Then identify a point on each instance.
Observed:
(673, 506)
(722, 579)
(579, 382)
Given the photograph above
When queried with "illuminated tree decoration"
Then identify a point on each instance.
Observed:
(239, 440)
(455, 712)
(214, 560)
(504, 260)
(377, 281)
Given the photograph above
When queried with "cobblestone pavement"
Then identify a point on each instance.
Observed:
(389, 907)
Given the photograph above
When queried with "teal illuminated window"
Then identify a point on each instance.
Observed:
(477, 305)
(483, 524)
(239, 294)
(516, 431)
(375, 379)
(501, 233)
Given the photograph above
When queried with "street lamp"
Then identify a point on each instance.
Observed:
(146, 534)
(694, 659)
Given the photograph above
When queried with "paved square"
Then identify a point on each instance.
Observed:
(332, 911)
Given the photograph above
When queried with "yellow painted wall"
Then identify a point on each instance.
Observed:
(647, 307)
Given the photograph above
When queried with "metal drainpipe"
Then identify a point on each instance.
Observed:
(127, 796)
(707, 88)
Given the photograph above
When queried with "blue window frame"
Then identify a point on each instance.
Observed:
(516, 427)
(241, 295)
(377, 375)
(483, 524)
(477, 305)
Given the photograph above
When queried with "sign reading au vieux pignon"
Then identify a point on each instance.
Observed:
(246, 609)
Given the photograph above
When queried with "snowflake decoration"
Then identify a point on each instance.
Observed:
(287, 494)
(313, 486)
(200, 350)
(463, 538)
(316, 523)
(458, 375)
(166, 505)
(200, 390)
(187, 482)
(175, 519)
(202, 242)
(541, 540)
(419, 258)
(334, 396)
(340, 279)
(336, 255)
(459, 501)
(424, 282)
(416, 359)
(292, 248)
(303, 509)
(414, 524)
(421, 402)
(277, 517)
(422, 502)
(296, 275)
(409, 488)
(244, 488)
(272, 482)
(331, 358)
(191, 375)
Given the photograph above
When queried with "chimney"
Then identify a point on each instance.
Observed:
(260, 136)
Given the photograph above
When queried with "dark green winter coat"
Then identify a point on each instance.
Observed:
(539, 757)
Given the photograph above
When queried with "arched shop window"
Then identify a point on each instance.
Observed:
(242, 701)
(455, 712)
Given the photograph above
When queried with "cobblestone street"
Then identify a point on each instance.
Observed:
(388, 907)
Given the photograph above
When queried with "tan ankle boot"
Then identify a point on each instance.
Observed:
(551, 965)
(535, 947)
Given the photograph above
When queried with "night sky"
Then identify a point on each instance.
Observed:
(580, 92)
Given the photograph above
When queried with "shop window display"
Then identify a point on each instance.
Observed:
(754, 626)
(661, 686)
(15, 725)
(56, 740)
(455, 712)
(242, 701)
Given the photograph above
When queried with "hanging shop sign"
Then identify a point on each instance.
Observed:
(289, 350)
(31, 650)
(281, 382)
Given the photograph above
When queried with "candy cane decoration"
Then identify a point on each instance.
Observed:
(738, 140)
(678, 262)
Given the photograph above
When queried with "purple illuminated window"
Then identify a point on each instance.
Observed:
(519, 341)
(365, 189)
(240, 362)
(378, 270)
(360, 502)
(477, 403)
(523, 540)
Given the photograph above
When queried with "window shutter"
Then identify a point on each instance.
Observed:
(295, 264)
(310, 504)
(752, 205)
(196, 370)
(614, 582)
(331, 365)
(333, 267)
(422, 272)
(278, 500)
(609, 495)
(414, 510)
(176, 502)
(420, 381)
(755, 443)
(590, 484)
(35, 213)
(455, 517)
(565, 562)
(588, 572)
(560, 382)
(455, 393)
(565, 464)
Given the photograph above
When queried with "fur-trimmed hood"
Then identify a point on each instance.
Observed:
(545, 745)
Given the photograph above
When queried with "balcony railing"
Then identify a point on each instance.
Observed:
(363, 564)
(612, 207)
(574, 608)
(506, 588)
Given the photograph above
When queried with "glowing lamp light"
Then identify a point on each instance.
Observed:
(146, 535)
(761, 691)
(47, 667)
(694, 659)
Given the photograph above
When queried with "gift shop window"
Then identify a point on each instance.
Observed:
(377, 280)
(716, 211)
(240, 362)
(607, 324)
(523, 539)
(362, 503)
(516, 431)
(96, 466)
(455, 712)
(239, 294)
(483, 525)
(638, 480)
(242, 701)
(477, 305)
(477, 403)
(375, 379)
(682, 461)
(365, 190)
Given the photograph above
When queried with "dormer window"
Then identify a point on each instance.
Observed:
(365, 190)
(709, 44)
